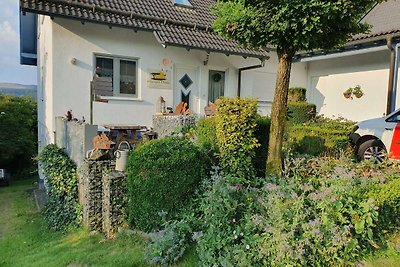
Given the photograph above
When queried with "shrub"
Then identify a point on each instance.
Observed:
(323, 136)
(261, 152)
(299, 224)
(297, 94)
(322, 212)
(387, 196)
(207, 139)
(300, 112)
(62, 211)
(235, 127)
(221, 239)
(167, 246)
(162, 177)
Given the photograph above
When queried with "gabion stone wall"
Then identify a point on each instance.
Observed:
(114, 201)
(165, 125)
(91, 191)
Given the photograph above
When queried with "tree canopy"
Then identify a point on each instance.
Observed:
(18, 128)
(291, 25)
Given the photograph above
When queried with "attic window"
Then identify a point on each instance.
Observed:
(183, 3)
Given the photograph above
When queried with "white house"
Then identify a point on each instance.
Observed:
(152, 48)
(365, 61)
(144, 49)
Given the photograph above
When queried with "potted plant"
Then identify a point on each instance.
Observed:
(357, 92)
(348, 92)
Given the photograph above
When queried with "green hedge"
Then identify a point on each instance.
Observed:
(300, 112)
(162, 177)
(207, 138)
(261, 152)
(235, 125)
(62, 210)
(318, 137)
(297, 94)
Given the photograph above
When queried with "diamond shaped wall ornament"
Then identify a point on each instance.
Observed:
(186, 81)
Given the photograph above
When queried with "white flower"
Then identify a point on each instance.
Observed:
(247, 247)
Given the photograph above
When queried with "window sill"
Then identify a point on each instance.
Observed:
(121, 98)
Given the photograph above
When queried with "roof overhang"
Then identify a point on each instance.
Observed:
(28, 38)
(351, 49)
(161, 29)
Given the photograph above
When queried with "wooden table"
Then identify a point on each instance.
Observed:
(123, 133)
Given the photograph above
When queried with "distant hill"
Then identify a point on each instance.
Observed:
(18, 89)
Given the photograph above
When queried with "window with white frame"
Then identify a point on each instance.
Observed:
(121, 72)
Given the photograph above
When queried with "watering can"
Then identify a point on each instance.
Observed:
(121, 155)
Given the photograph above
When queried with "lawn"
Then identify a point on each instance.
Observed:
(25, 240)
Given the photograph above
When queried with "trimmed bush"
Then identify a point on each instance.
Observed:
(62, 210)
(261, 152)
(235, 127)
(162, 177)
(300, 112)
(319, 137)
(297, 94)
(206, 136)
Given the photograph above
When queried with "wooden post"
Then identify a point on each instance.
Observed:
(91, 103)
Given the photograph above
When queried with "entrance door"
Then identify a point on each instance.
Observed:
(216, 85)
(187, 88)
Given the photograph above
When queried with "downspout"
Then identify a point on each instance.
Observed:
(393, 75)
(247, 68)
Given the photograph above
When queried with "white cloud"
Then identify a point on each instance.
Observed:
(7, 33)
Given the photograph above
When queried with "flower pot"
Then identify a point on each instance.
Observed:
(358, 95)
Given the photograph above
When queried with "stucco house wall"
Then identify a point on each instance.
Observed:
(329, 78)
(46, 117)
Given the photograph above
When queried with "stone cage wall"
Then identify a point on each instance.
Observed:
(102, 194)
(165, 125)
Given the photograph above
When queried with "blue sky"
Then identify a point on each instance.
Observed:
(10, 69)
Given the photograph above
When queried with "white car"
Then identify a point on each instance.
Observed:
(378, 138)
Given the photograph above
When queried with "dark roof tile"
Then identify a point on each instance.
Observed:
(172, 25)
(384, 19)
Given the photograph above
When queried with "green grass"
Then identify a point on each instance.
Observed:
(26, 241)
(387, 257)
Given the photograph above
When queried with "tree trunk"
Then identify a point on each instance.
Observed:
(278, 114)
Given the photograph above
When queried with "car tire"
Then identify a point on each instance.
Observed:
(372, 150)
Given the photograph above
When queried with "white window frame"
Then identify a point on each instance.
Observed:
(116, 76)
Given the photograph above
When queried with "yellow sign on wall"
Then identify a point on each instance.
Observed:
(159, 79)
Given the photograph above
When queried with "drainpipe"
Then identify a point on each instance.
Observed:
(393, 75)
(247, 68)
(396, 77)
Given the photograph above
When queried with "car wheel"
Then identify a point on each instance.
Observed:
(372, 150)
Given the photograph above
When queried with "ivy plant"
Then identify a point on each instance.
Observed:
(62, 210)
